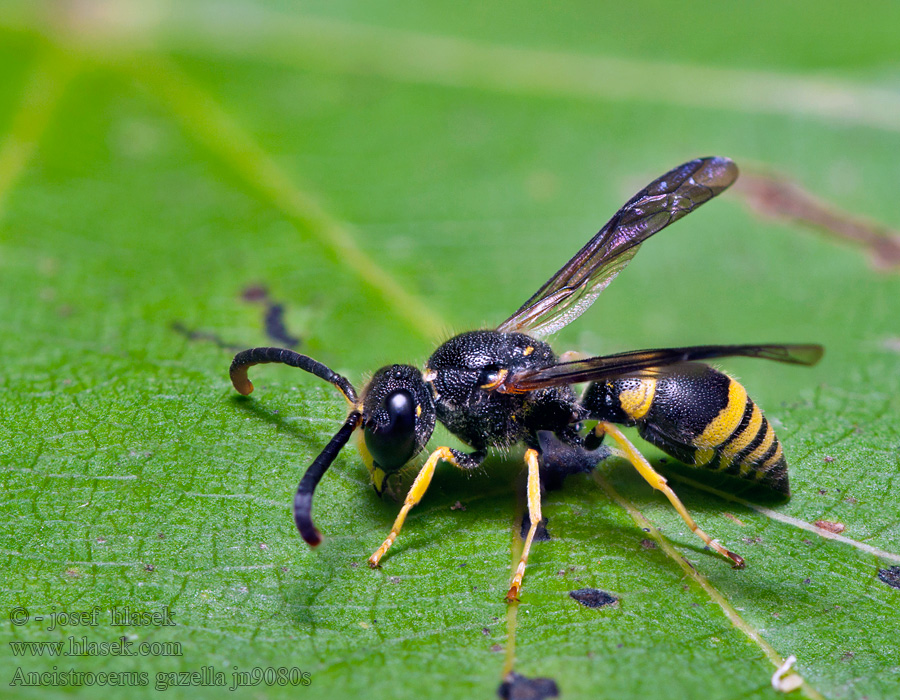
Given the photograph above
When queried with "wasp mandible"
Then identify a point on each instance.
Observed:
(497, 388)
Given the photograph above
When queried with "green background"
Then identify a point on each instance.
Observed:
(395, 172)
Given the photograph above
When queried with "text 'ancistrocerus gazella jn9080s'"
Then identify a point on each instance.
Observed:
(496, 388)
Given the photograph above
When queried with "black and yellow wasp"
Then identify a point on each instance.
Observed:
(496, 388)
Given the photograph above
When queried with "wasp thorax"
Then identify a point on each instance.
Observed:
(398, 416)
(468, 366)
(466, 373)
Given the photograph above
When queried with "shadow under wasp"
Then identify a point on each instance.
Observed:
(497, 388)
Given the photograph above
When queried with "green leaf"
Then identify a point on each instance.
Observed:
(393, 173)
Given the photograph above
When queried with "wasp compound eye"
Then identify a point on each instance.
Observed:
(391, 433)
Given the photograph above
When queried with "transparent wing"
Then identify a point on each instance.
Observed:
(568, 294)
(644, 361)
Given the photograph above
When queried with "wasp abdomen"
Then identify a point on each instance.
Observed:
(698, 415)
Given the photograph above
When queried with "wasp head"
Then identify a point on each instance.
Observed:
(397, 420)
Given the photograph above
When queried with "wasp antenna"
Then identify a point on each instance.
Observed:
(303, 498)
(245, 359)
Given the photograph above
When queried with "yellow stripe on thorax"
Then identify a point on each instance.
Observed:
(636, 402)
(729, 418)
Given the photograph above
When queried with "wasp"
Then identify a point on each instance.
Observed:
(506, 386)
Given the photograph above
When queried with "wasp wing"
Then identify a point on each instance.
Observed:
(644, 361)
(568, 294)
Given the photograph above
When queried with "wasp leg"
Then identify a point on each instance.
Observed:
(534, 513)
(420, 486)
(658, 482)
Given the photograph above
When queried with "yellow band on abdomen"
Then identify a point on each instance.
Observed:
(729, 418)
(742, 441)
(763, 447)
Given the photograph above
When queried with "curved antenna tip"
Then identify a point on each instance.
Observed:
(241, 382)
(306, 487)
(303, 519)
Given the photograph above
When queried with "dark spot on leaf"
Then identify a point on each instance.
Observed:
(540, 535)
(782, 199)
(823, 492)
(733, 518)
(806, 581)
(457, 506)
(273, 318)
(275, 328)
(149, 567)
(593, 597)
(255, 292)
(190, 334)
(485, 631)
(831, 526)
(517, 687)
(890, 576)
(648, 544)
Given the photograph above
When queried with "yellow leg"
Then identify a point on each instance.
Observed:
(534, 512)
(418, 489)
(658, 482)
